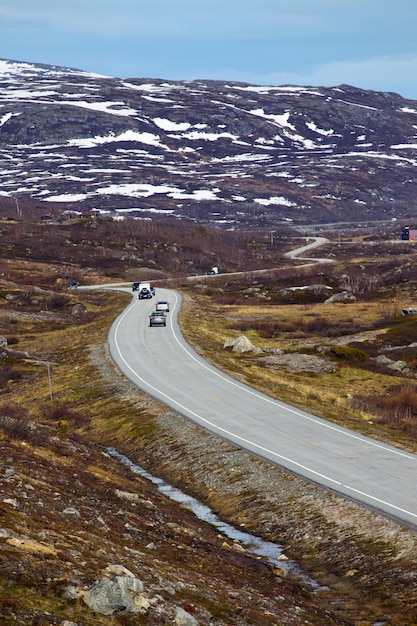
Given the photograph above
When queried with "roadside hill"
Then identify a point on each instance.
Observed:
(231, 154)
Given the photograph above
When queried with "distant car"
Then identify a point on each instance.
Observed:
(144, 293)
(162, 305)
(135, 286)
(73, 284)
(153, 290)
(157, 318)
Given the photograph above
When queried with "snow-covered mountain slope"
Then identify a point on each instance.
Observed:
(210, 151)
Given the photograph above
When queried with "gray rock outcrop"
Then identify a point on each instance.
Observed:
(344, 297)
(240, 345)
(117, 594)
(182, 618)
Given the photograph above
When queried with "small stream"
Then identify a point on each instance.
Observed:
(251, 543)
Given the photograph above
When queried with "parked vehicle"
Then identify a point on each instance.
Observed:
(144, 293)
(157, 318)
(162, 305)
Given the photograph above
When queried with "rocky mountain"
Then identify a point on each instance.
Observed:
(230, 153)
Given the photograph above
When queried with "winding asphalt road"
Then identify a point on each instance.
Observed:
(160, 362)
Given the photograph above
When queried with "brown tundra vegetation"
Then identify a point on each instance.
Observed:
(72, 515)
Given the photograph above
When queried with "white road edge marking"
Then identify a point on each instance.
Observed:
(266, 399)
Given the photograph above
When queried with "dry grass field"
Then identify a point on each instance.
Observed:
(349, 336)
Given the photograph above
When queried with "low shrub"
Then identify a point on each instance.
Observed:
(397, 408)
(319, 326)
(12, 340)
(354, 355)
(402, 332)
(56, 302)
(15, 423)
(8, 373)
(62, 413)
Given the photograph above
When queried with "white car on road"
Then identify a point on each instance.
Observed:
(162, 305)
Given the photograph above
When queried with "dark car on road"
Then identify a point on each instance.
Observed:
(144, 293)
(157, 318)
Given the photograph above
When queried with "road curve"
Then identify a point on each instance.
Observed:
(160, 362)
(311, 243)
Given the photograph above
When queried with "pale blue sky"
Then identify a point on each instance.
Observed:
(366, 43)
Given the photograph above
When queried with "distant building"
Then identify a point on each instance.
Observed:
(409, 234)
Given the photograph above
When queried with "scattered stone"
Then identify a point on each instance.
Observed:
(295, 362)
(182, 618)
(71, 511)
(118, 570)
(383, 360)
(281, 572)
(78, 310)
(18, 354)
(73, 593)
(344, 297)
(126, 495)
(398, 366)
(394, 365)
(12, 501)
(237, 546)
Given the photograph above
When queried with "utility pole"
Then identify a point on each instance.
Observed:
(48, 365)
(18, 209)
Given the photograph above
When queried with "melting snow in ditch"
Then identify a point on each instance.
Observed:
(256, 545)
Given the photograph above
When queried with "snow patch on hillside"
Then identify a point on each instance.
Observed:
(165, 124)
(274, 200)
(129, 135)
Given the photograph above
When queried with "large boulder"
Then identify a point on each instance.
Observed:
(118, 591)
(240, 345)
(183, 618)
(344, 297)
